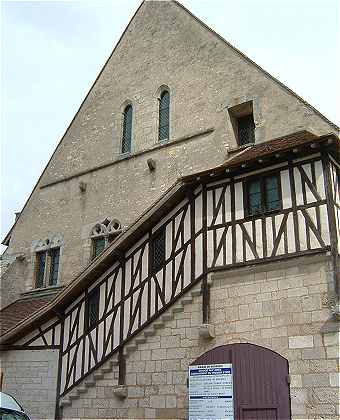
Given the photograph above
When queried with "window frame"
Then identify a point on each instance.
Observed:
(126, 152)
(163, 92)
(96, 294)
(261, 178)
(160, 233)
(237, 129)
(48, 268)
(93, 241)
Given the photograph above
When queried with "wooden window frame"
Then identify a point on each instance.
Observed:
(47, 268)
(160, 233)
(261, 178)
(95, 293)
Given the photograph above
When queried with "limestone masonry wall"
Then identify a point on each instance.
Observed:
(31, 377)
(282, 306)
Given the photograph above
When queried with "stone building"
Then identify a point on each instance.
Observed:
(189, 214)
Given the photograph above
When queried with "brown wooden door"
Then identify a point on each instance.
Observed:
(261, 390)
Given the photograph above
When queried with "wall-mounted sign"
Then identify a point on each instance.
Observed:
(211, 392)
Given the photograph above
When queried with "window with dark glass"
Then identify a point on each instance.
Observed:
(54, 268)
(158, 250)
(92, 307)
(40, 273)
(263, 195)
(47, 268)
(98, 246)
(245, 129)
(164, 109)
(127, 129)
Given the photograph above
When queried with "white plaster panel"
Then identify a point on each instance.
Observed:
(286, 191)
(239, 210)
(302, 231)
(320, 184)
(298, 187)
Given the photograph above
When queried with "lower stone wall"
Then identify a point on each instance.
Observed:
(284, 307)
(31, 377)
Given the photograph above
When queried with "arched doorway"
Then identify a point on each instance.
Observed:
(260, 380)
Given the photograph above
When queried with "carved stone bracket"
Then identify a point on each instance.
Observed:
(120, 391)
(207, 331)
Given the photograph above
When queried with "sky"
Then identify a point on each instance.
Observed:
(52, 51)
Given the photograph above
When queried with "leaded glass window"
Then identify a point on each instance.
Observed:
(263, 195)
(54, 268)
(93, 307)
(245, 130)
(164, 108)
(40, 273)
(127, 129)
(158, 251)
(98, 246)
(272, 193)
(255, 197)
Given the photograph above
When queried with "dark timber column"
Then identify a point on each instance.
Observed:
(332, 222)
(205, 287)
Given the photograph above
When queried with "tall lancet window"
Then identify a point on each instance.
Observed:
(127, 129)
(164, 105)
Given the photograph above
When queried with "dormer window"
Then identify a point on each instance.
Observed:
(245, 130)
(242, 119)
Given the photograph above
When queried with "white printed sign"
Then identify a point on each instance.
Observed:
(211, 392)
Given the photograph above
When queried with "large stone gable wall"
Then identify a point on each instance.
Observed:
(205, 77)
(284, 307)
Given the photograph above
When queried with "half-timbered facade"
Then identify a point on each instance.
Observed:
(190, 214)
(205, 225)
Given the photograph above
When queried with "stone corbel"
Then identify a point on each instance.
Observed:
(120, 391)
(207, 331)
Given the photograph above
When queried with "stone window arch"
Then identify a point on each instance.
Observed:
(102, 233)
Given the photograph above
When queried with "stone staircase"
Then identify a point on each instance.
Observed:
(107, 374)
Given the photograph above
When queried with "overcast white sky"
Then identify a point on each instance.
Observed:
(51, 52)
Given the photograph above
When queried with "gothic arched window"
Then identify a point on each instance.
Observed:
(127, 129)
(163, 123)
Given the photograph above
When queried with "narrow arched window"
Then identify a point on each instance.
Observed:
(127, 129)
(164, 105)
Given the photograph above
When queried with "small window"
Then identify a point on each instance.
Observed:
(263, 195)
(164, 109)
(158, 251)
(40, 273)
(98, 246)
(54, 269)
(127, 129)
(92, 307)
(245, 130)
(47, 268)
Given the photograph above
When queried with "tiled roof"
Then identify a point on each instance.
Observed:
(18, 311)
(277, 145)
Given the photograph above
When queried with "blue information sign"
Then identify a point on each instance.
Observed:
(211, 392)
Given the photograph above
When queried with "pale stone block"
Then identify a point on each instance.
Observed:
(331, 339)
(269, 286)
(243, 311)
(145, 354)
(159, 378)
(315, 379)
(171, 401)
(297, 291)
(179, 378)
(299, 366)
(321, 315)
(255, 310)
(263, 297)
(157, 401)
(332, 352)
(262, 323)
(334, 379)
(143, 379)
(171, 365)
(281, 319)
(314, 353)
(158, 354)
(170, 341)
(296, 381)
(299, 342)
(274, 332)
